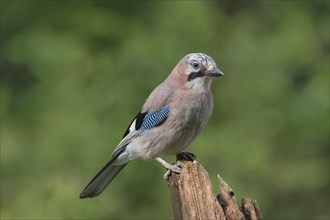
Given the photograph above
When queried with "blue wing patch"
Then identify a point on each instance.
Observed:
(146, 121)
(155, 118)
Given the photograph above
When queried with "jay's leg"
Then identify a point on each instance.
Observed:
(183, 156)
(170, 168)
(174, 168)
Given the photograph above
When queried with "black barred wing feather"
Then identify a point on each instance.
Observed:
(155, 118)
(146, 120)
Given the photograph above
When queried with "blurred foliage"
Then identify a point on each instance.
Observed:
(74, 73)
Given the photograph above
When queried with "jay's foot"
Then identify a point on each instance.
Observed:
(185, 156)
(176, 168)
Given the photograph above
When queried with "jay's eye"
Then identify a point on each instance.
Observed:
(195, 65)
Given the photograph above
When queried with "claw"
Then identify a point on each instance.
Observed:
(175, 168)
(185, 156)
(167, 176)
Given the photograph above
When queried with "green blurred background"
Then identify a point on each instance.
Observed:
(74, 74)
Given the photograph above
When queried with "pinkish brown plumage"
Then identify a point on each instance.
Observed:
(174, 114)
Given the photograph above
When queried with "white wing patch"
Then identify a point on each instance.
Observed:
(132, 127)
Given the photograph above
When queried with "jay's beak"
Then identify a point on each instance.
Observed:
(215, 73)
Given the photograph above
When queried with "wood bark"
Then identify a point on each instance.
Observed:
(192, 197)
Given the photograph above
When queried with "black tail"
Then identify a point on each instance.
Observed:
(102, 179)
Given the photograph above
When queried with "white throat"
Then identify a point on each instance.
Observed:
(200, 84)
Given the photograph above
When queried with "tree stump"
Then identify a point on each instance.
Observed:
(192, 197)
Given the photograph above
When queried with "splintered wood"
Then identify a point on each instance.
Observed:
(192, 197)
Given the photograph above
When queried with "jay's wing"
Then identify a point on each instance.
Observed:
(146, 120)
(143, 121)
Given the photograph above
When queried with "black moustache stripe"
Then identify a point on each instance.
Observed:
(194, 75)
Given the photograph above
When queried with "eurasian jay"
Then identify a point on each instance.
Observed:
(174, 114)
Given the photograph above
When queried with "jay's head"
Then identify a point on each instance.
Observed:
(196, 70)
